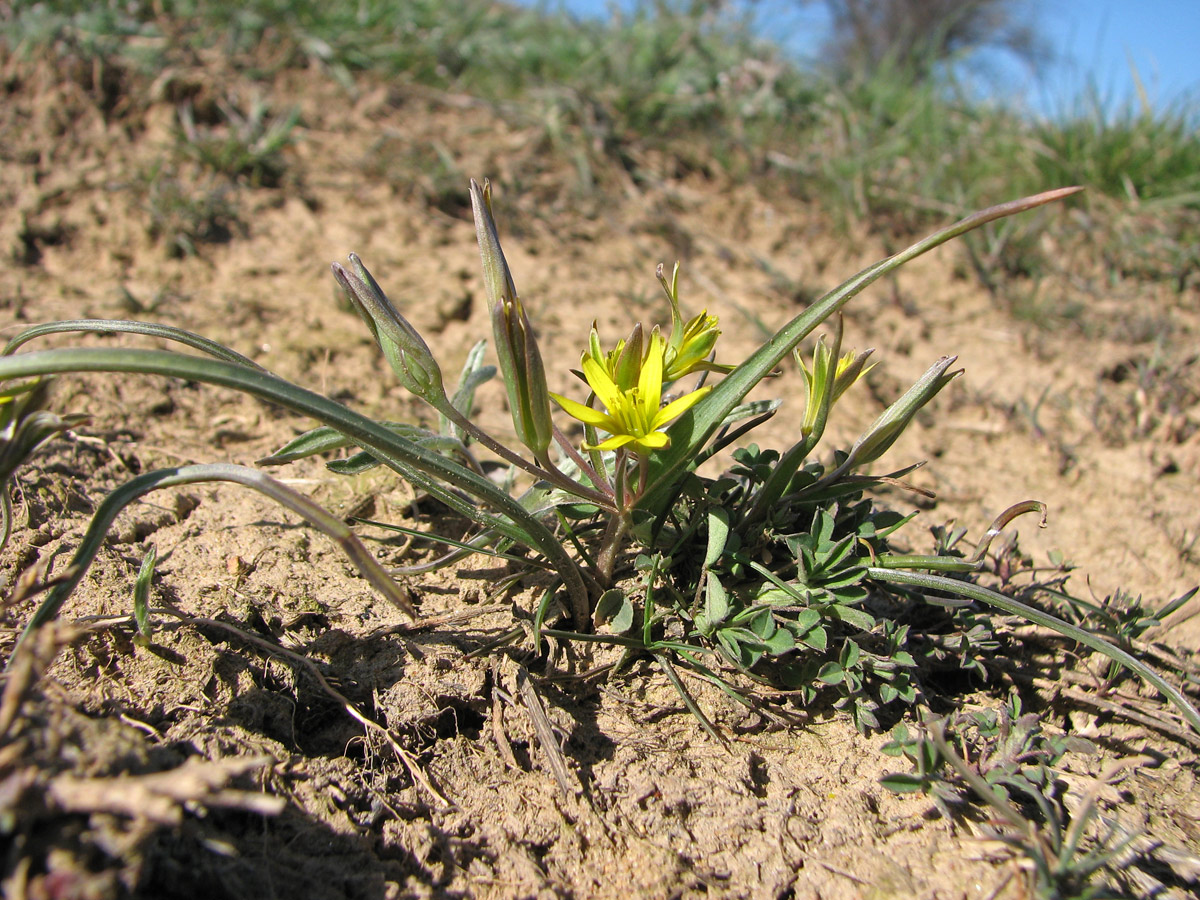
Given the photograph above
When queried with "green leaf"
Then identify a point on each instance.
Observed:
(864, 715)
(615, 610)
(885, 523)
(479, 543)
(849, 615)
(153, 329)
(852, 595)
(761, 623)
(716, 601)
(831, 673)
(903, 784)
(781, 641)
(718, 533)
(141, 594)
(845, 578)
(851, 654)
(899, 743)
(806, 621)
(539, 617)
(325, 439)
(578, 510)
(730, 645)
(354, 465)
(816, 638)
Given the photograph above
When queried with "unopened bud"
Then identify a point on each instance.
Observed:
(516, 345)
(889, 426)
(402, 346)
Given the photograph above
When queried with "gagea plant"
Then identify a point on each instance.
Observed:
(778, 572)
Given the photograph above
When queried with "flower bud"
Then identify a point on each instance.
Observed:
(691, 342)
(889, 426)
(516, 345)
(405, 349)
(816, 380)
(851, 367)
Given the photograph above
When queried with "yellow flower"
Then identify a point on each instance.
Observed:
(848, 369)
(690, 345)
(634, 415)
(691, 342)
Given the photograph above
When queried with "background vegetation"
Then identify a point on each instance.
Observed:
(889, 139)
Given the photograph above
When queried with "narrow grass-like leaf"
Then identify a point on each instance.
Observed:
(695, 710)
(127, 493)
(141, 594)
(467, 548)
(692, 430)
(151, 329)
(1045, 620)
(429, 471)
(325, 440)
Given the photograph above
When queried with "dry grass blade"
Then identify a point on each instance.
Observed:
(163, 796)
(410, 762)
(545, 734)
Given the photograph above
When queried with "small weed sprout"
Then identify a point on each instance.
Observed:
(245, 144)
(1005, 760)
(774, 573)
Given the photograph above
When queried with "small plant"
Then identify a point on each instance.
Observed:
(244, 145)
(1005, 760)
(777, 572)
(183, 212)
(24, 426)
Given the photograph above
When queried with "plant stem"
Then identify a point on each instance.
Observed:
(584, 466)
(610, 547)
(551, 474)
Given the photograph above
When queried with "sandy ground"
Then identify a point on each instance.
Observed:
(1089, 403)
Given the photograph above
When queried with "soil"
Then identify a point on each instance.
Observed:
(294, 735)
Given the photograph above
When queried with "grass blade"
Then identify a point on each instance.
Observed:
(133, 490)
(152, 329)
(425, 469)
(1037, 617)
(692, 430)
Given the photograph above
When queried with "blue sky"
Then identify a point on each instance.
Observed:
(1095, 42)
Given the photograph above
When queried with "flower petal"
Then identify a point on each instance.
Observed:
(651, 379)
(655, 440)
(617, 440)
(679, 406)
(583, 413)
(601, 383)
